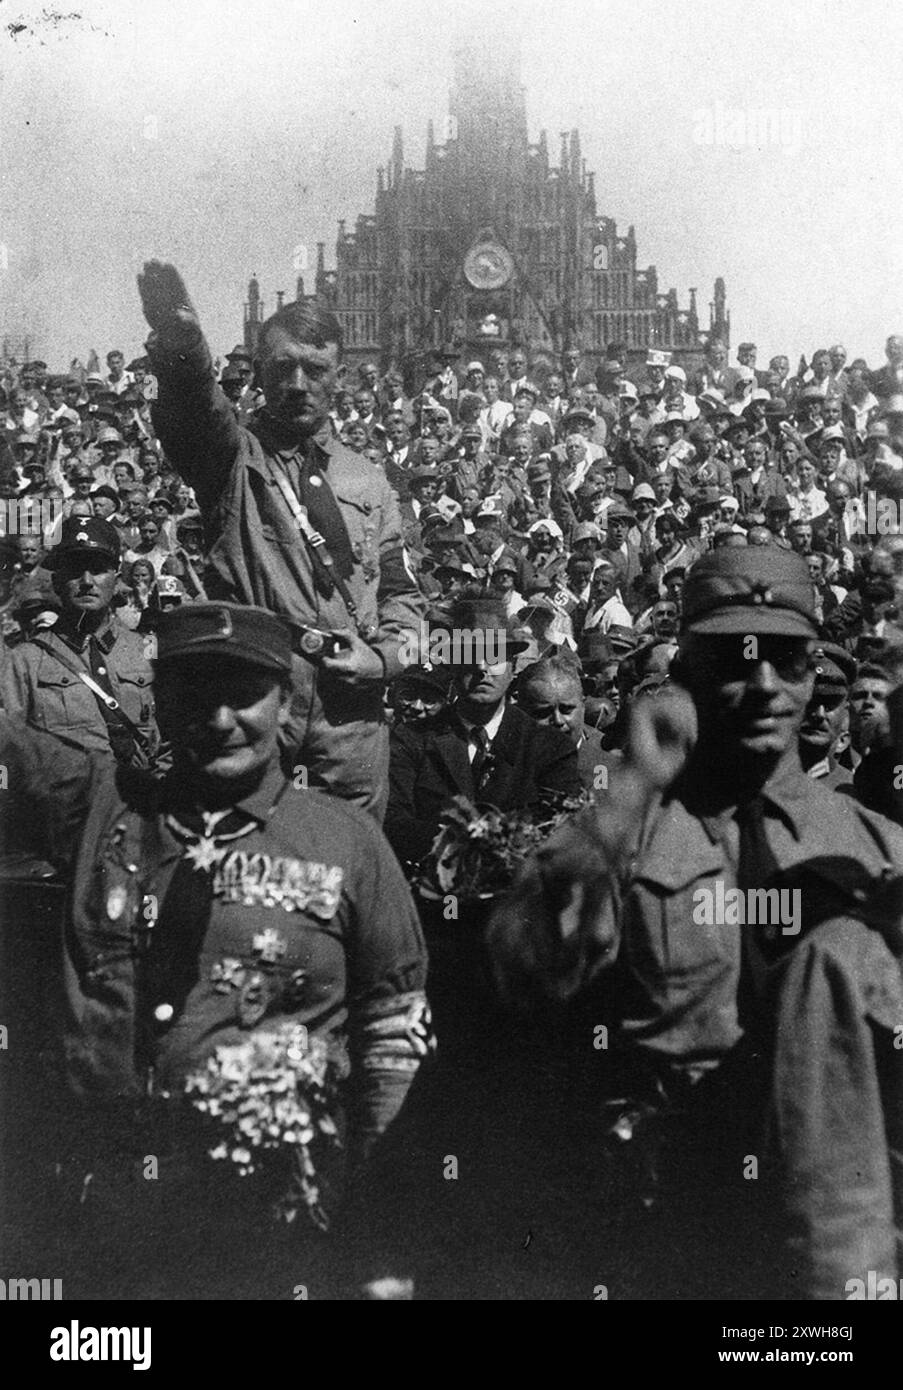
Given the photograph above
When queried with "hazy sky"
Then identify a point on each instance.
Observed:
(223, 135)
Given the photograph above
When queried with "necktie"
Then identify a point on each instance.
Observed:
(170, 966)
(478, 766)
(318, 498)
(756, 868)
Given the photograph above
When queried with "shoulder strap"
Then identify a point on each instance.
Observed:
(319, 553)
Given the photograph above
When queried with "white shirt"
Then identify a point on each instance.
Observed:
(862, 411)
(119, 386)
(492, 419)
(804, 506)
(612, 612)
(492, 727)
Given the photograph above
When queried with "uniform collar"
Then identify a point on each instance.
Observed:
(784, 795)
(258, 804)
(104, 636)
(275, 439)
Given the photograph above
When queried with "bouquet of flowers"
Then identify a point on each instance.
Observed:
(479, 849)
(271, 1101)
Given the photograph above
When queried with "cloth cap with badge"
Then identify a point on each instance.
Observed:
(750, 590)
(425, 676)
(622, 639)
(249, 635)
(88, 534)
(835, 669)
(492, 507)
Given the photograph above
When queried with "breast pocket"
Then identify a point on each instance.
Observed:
(362, 519)
(136, 696)
(62, 702)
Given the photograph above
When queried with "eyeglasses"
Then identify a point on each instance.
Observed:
(735, 657)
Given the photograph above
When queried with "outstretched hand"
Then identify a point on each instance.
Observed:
(165, 300)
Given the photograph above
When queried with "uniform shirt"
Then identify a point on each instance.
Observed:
(47, 695)
(310, 901)
(256, 555)
(669, 985)
(307, 920)
(824, 1004)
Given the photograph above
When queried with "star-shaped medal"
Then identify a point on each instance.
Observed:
(205, 854)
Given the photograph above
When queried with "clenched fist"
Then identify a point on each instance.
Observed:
(167, 304)
(661, 736)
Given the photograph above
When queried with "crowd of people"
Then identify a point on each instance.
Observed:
(579, 499)
(609, 528)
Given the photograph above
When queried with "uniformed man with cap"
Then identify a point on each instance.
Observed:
(87, 680)
(744, 1031)
(293, 523)
(420, 694)
(218, 904)
(825, 730)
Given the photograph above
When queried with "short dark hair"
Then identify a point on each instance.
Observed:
(307, 321)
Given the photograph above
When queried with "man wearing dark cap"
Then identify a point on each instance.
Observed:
(88, 680)
(757, 1030)
(295, 524)
(825, 730)
(420, 694)
(223, 903)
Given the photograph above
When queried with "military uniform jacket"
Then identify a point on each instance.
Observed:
(668, 986)
(256, 555)
(46, 693)
(309, 920)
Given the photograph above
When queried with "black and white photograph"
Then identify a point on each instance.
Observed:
(451, 661)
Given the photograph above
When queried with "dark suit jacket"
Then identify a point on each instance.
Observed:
(427, 768)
